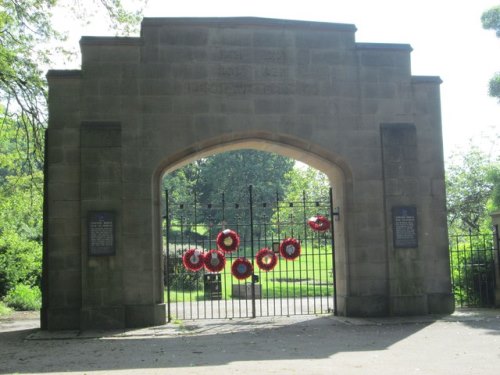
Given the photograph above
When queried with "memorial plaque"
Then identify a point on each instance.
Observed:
(101, 233)
(404, 227)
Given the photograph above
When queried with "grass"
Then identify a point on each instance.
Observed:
(308, 276)
(23, 297)
(5, 311)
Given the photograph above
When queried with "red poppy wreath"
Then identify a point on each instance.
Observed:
(228, 240)
(319, 223)
(241, 268)
(290, 249)
(193, 260)
(214, 261)
(266, 259)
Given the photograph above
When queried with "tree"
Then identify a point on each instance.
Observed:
(491, 21)
(29, 42)
(494, 179)
(227, 176)
(306, 185)
(472, 185)
(309, 180)
(20, 214)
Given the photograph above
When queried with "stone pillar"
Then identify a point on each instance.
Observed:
(101, 196)
(495, 217)
(62, 235)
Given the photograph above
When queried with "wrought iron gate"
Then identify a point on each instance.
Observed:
(472, 262)
(302, 286)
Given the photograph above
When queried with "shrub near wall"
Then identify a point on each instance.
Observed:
(20, 262)
(24, 297)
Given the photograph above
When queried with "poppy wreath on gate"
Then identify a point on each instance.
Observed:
(319, 223)
(193, 260)
(228, 240)
(290, 249)
(214, 261)
(266, 259)
(241, 268)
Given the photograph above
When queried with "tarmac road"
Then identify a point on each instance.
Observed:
(467, 342)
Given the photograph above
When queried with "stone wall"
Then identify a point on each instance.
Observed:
(188, 88)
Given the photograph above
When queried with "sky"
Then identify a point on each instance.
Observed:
(446, 36)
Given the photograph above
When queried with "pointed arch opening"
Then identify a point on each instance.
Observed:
(260, 285)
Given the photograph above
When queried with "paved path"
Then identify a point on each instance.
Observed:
(467, 342)
(242, 308)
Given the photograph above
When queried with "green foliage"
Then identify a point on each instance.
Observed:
(123, 20)
(181, 184)
(469, 187)
(473, 269)
(491, 21)
(306, 184)
(310, 275)
(20, 261)
(29, 42)
(24, 297)
(494, 86)
(180, 278)
(5, 311)
(309, 180)
(20, 213)
(25, 26)
(494, 178)
(231, 174)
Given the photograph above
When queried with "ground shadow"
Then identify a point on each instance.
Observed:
(487, 319)
(312, 339)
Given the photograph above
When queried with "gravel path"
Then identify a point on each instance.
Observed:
(467, 342)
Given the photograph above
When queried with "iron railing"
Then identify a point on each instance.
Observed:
(472, 261)
(303, 286)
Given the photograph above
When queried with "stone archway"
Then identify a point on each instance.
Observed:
(189, 87)
(330, 164)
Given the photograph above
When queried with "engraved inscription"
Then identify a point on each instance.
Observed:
(101, 234)
(404, 222)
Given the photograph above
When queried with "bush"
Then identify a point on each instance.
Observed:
(23, 297)
(182, 279)
(20, 261)
(4, 310)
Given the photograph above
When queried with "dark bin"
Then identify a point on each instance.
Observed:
(212, 286)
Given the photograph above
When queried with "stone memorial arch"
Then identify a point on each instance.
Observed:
(191, 87)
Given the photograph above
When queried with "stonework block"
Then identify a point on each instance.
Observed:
(183, 36)
(190, 105)
(160, 87)
(109, 53)
(145, 315)
(103, 318)
(409, 305)
(273, 105)
(64, 209)
(233, 37)
(189, 71)
(272, 38)
(157, 104)
(182, 54)
(64, 174)
(271, 73)
(364, 306)
(230, 55)
(100, 134)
